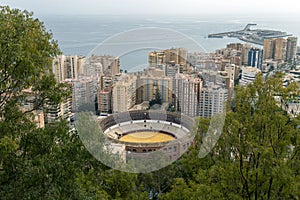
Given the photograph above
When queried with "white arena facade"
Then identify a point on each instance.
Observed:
(139, 133)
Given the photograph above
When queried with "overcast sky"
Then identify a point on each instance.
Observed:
(155, 7)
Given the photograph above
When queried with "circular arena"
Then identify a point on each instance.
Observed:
(141, 132)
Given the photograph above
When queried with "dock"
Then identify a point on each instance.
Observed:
(255, 36)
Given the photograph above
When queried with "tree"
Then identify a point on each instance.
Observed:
(31, 159)
(48, 163)
(157, 98)
(27, 50)
(257, 154)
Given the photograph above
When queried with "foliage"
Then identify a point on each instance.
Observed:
(157, 99)
(256, 157)
(26, 51)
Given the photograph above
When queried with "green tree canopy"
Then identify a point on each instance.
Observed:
(257, 156)
(27, 50)
(48, 163)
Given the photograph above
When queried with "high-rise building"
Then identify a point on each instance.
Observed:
(177, 55)
(187, 94)
(231, 72)
(248, 75)
(275, 48)
(124, 94)
(28, 105)
(280, 49)
(171, 70)
(255, 58)
(84, 91)
(245, 51)
(49, 113)
(114, 67)
(174, 55)
(156, 58)
(152, 71)
(53, 113)
(291, 50)
(107, 65)
(235, 46)
(104, 101)
(39, 118)
(268, 48)
(68, 67)
(148, 86)
(105, 82)
(212, 100)
(228, 77)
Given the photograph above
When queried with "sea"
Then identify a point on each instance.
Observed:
(132, 37)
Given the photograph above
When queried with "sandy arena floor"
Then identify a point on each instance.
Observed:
(147, 137)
